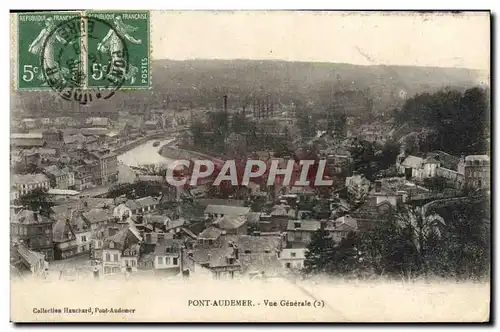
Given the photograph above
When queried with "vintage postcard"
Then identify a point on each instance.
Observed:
(250, 166)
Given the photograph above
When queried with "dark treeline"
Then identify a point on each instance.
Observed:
(461, 121)
(405, 244)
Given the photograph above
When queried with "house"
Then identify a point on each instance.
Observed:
(35, 230)
(232, 224)
(357, 186)
(371, 212)
(217, 263)
(118, 251)
(83, 177)
(53, 137)
(27, 140)
(60, 178)
(71, 236)
(167, 254)
(152, 125)
(130, 258)
(299, 232)
(397, 191)
(142, 205)
(256, 253)
(342, 226)
(98, 217)
(217, 211)
(108, 164)
(122, 212)
(98, 122)
(26, 261)
(477, 171)
(292, 258)
(210, 237)
(29, 182)
(431, 165)
(165, 223)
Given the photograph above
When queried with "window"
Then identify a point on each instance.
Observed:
(84, 238)
(175, 261)
(167, 260)
(108, 257)
(82, 249)
(160, 260)
(293, 254)
(248, 251)
(210, 242)
(167, 250)
(288, 265)
(133, 263)
(111, 244)
(115, 257)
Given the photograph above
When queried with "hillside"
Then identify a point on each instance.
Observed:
(203, 82)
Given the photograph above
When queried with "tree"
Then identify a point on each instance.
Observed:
(346, 259)
(319, 252)
(450, 113)
(36, 200)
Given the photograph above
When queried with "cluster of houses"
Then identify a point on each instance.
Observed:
(156, 235)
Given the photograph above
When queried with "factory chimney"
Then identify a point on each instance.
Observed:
(225, 103)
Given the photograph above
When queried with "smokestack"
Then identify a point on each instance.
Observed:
(225, 103)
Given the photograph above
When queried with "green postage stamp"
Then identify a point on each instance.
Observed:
(127, 32)
(37, 41)
(90, 50)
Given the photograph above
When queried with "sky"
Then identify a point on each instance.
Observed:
(369, 38)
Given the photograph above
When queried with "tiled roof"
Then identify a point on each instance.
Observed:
(305, 225)
(29, 178)
(26, 135)
(31, 257)
(28, 217)
(61, 231)
(146, 201)
(216, 257)
(210, 233)
(227, 210)
(344, 223)
(413, 162)
(269, 264)
(253, 217)
(29, 142)
(248, 244)
(219, 201)
(98, 215)
(174, 244)
(231, 221)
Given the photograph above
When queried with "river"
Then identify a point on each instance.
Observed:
(146, 154)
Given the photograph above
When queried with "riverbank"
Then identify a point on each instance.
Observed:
(133, 144)
(146, 154)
